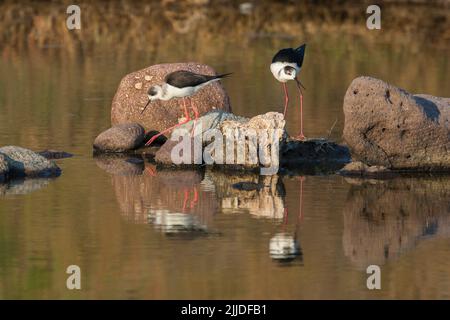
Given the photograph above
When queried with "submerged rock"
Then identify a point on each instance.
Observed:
(314, 155)
(54, 154)
(387, 126)
(26, 163)
(363, 170)
(131, 97)
(120, 138)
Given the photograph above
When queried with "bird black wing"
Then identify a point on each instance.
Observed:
(291, 55)
(183, 78)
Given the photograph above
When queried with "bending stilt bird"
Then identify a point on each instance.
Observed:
(285, 66)
(179, 84)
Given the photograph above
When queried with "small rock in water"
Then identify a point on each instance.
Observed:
(358, 168)
(54, 154)
(26, 163)
(120, 138)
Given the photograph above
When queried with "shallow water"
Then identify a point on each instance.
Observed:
(146, 234)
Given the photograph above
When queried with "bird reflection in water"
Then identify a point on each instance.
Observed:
(284, 246)
(173, 223)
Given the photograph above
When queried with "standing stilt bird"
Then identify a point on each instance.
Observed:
(180, 84)
(286, 66)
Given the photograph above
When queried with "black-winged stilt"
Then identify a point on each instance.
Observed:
(286, 66)
(180, 84)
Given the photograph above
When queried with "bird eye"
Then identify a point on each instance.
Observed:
(289, 70)
(152, 91)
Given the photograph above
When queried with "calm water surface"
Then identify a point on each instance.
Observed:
(141, 233)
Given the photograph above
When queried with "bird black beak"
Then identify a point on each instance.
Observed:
(146, 106)
(300, 84)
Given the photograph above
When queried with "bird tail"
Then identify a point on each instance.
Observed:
(301, 51)
(223, 75)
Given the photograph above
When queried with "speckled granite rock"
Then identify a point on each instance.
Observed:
(120, 138)
(131, 97)
(26, 163)
(387, 126)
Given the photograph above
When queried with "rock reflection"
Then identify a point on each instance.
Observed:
(265, 200)
(184, 201)
(383, 219)
(172, 200)
(22, 186)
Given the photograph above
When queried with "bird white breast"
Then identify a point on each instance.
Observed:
(277, 69)
(174, 92)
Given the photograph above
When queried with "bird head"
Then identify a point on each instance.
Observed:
(155, 93)
(290, 72)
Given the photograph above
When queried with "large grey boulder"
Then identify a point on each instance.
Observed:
(387, 126)
(26, 163)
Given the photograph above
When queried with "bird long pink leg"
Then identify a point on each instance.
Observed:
(285, 218)
(286, 98)
(185, 199)
(301, 136)
(195, 200)
(301, 198)
(187, 119)
(196, 114)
